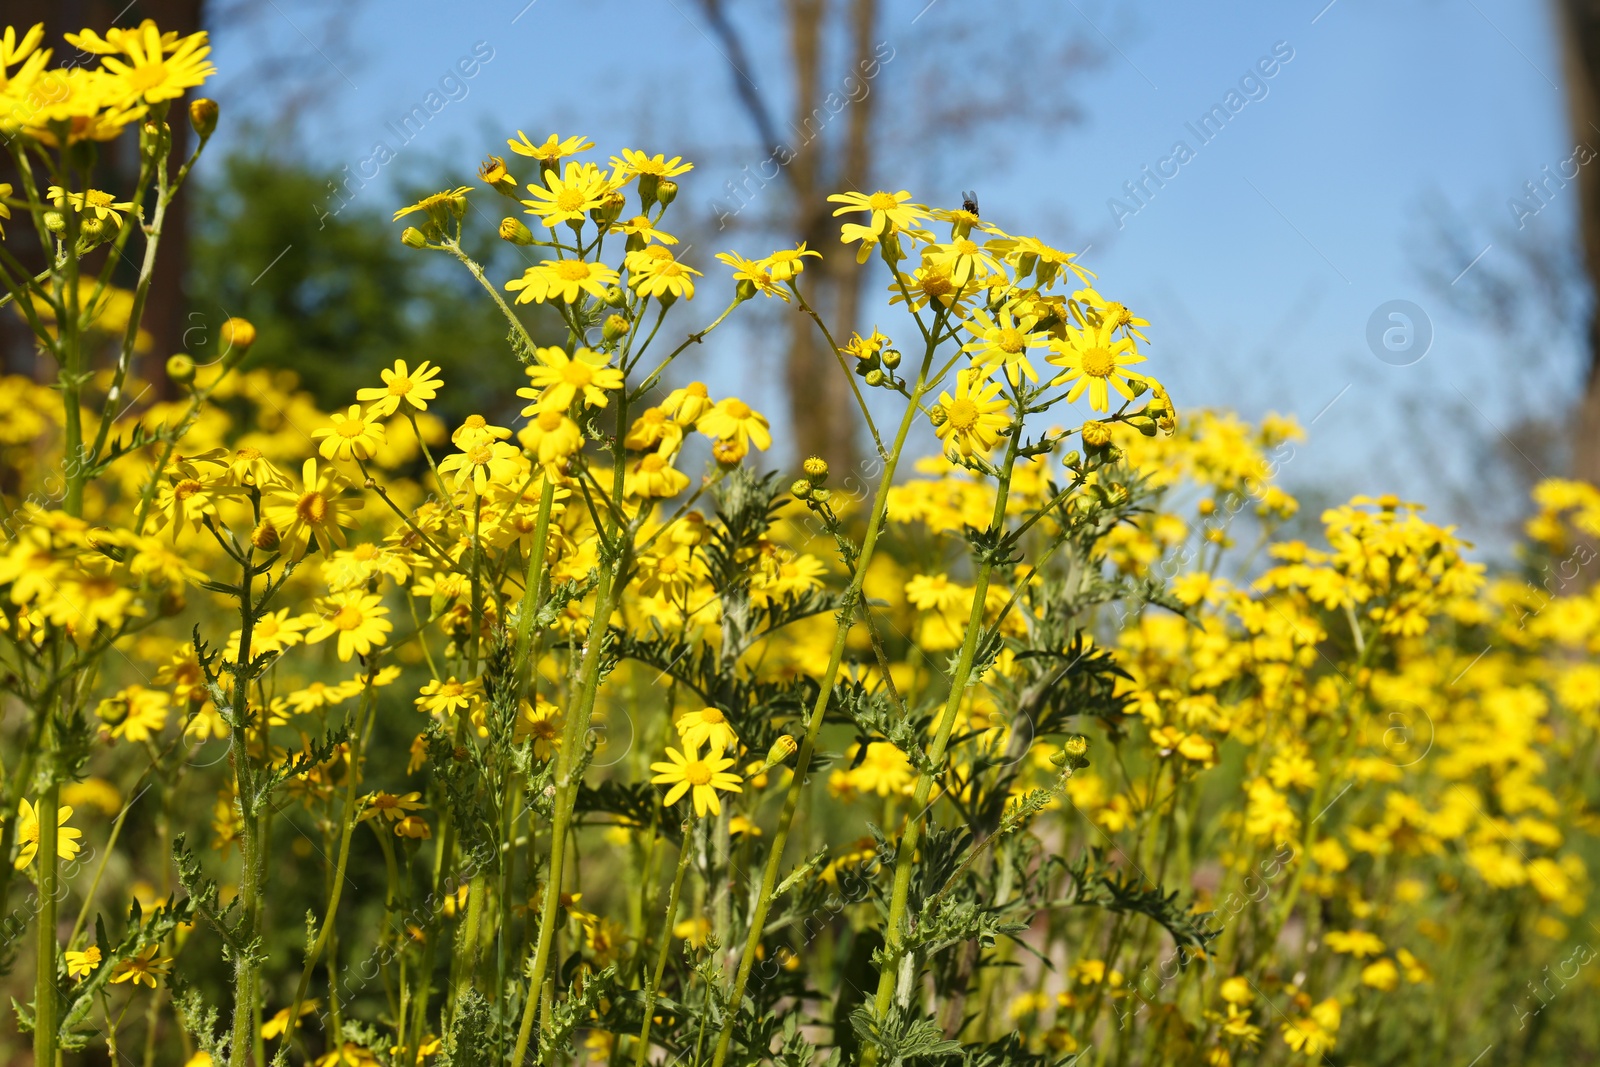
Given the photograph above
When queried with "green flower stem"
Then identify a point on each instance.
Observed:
(693, 339)
(348, 824)
(69, 351)
(141, 290)
(613, 578)
(533, 586)
(849, 374)
(476, 271)
(662, 950)
(791, 800)
(895, 934)
(251, 850)
(44, 996)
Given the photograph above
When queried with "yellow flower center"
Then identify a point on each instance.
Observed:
(1098, 362)
(577, 373)
(348, 618)
(935, 284)
(480, 456)
(572, 270)
(882, 202)
(652, 463)
(964, 247)
(474, 422)
(312, 507)
(400, 386)
(668, 566)
(186, 488)
(352, 428)
(738, 409)
(962, 415)
(143, 79)
(712, 716)
(449, 689)
(697, 773)
(247, 453)
(571, 199)
(1118, 315)
(1010, 341)
(550, 420)
(697, 389)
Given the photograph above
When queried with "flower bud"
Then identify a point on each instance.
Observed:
(615, 328)
(874, 377)
(891, 250)
(515, 231)
(238, 333)
(92, 230)
(615, 296)
(1074, 755)
(264, 536)
(1096, 434)
(180, 368)
(801, 488)
(112, 711)
(816, 469)
(744, 290)
(412, 237)
(649, 186)
(55, 222)
(493, 173)
(729, 450)
(1073, 458)
(609, 210)
(890, 357)
(203, 116)
(784, 747)
(821, 495)
(666, 192)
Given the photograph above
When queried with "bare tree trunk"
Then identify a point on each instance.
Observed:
(821, 410)
(1581, 21)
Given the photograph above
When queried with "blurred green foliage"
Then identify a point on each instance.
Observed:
(334, 294)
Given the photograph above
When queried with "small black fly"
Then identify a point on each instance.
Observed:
(969, 202)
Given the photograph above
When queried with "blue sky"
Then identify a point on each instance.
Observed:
(1259, 263)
